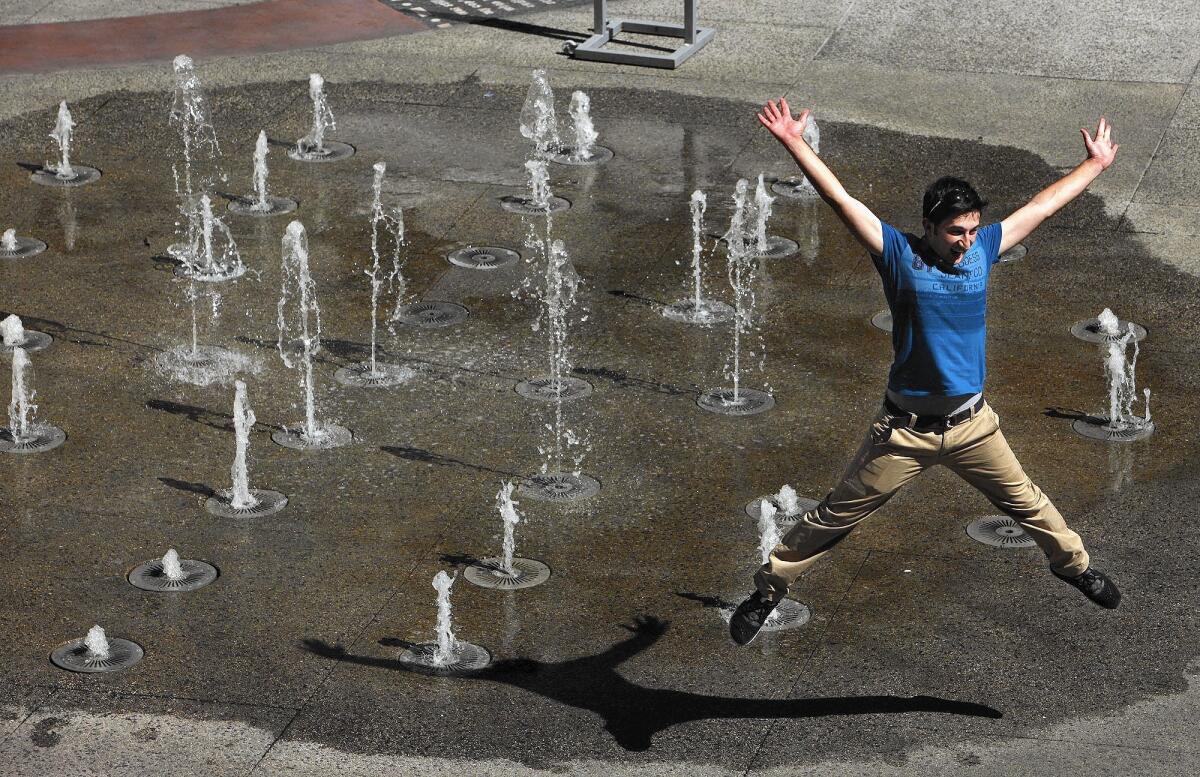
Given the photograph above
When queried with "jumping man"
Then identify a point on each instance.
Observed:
(933, 411)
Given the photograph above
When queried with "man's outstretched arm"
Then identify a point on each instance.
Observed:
(858, 218)
(1101, 153)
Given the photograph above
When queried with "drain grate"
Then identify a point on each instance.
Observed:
(551, 390)
(74, 656)
(748, 402)
(432, 314)
(384, 375)
(45, 437)
(803, 505)
(527, 207)
(1014, 254)
(795, 189)
(150, 576)
(34, 341)
(599, 155)
(277, 206)
(483, 257)
(83, 175)
(1100, 430)
(708, 312)
(467, 657)
(185, 270)
(26, 247)
(332, 151)
(882, 320)
(328, 436)
(779, 248)
(1089, 330)
(999, 531)
(559, 487)
(489, 573)
(269, 502)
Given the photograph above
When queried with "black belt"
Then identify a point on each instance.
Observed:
(907, 420)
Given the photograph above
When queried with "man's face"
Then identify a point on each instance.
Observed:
(953, 237)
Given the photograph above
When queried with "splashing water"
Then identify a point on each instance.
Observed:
(538, 120)
(447, 644)
(1121, 375)
(21, 409)
(393, 225)
(762, 212)
(8, 241)
(303, 320)
(789, 500)
(539, 184)
(313, 144)
(261, 149)
(511, 517)
(240, 497)
(740, 267)
(189, 112)
(96, 643)
(585, 132)
(768, 532)
(1108, 323)
(171, 567)
(699, 204)
(12, 331)
(217, 257)
(62, 136)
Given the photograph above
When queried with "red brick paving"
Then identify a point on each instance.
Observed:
(274, 25)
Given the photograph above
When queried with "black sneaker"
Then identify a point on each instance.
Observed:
(1095, 586)
(749, 617)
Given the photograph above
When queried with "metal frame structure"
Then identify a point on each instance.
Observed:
(605, 29)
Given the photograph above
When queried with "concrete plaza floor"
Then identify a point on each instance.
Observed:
(926, 653)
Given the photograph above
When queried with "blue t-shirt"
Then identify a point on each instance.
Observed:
(939, 328)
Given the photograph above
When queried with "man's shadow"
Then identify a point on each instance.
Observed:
(633, 714)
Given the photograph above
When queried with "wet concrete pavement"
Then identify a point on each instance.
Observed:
(926, 652)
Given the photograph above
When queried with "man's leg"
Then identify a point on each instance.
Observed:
(887, 459)
(978, 452)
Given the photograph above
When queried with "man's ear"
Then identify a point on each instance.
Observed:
(927, 225)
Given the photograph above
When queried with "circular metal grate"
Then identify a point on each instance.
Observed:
(34, 341)
(328, 436)
(1089, 330)
(276, 206)
(467, 658)
(83, 175)
(384, 375)
(779, 248)
(432, 314)
(331, 151)
(803, 505)
(882, 320)
(999, 531)
(706, 313)
(550, 390)
(794, 189)
(269, 502)
(45, 437)
(599, 155)
(1014, 254)
(526, 207)
(150, 577)
(489, 573)
(1102, 431)
(74, 656)
(483, 257)
(26, 247)
(185, 270)
(748, 402)
(559, 487)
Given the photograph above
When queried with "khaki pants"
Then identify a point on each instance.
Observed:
(890, 457)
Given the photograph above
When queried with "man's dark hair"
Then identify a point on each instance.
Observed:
(948, 198)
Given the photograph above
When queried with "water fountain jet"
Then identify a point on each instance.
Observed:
(62, 172)
(96, 653)
(1120, 424)
(25, 434)
(172, 574)
(14, 335)
(698, 310)
(13, 246)
(242, 501)
(262, 202)
(448, 655)
(583, 151)
(508, 571)
(313, 147)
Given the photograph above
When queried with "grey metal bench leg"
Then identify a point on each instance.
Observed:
(605, 29)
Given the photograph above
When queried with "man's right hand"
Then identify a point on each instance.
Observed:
(778, 119)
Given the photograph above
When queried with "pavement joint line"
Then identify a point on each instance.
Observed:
(1000, 735)
(837, 28)
(170, 697)
(400, 587)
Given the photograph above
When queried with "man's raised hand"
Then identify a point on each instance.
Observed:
(778, 119)
(1101, 148)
